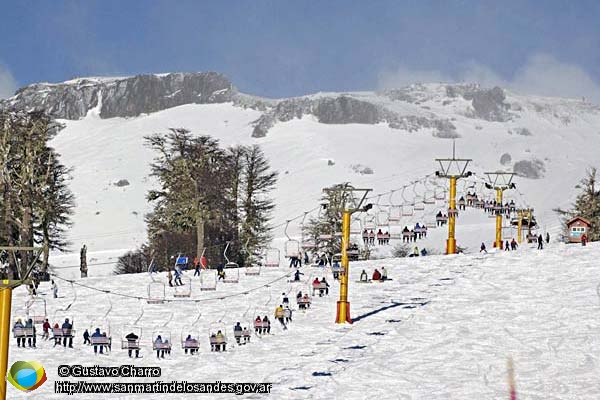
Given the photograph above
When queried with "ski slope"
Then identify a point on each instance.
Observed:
(310, 156)
(443, 328)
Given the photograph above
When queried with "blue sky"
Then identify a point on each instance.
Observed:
(289, 48)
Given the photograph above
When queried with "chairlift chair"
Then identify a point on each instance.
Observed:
(104, 326)
(356, 226)
(419, 206)
(208, 279)
(214, 341)
(272, 257)
(156, 293)
(36, 310)
(131, 344)
(395, 215)
(292, 246)
(429, 197)
(383, 218)
(232, 274)
(192, 344)
(60, 317)
(370, 222)
(253, 269)
(407, 210)
(231, 277)
(184, 290)
(165, 336)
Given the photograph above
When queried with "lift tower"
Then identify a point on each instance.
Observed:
(453, 169)
(499, 181)
(351, 202)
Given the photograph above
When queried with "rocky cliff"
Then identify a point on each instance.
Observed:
(123, 97)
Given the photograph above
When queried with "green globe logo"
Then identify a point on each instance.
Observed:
(27, 375)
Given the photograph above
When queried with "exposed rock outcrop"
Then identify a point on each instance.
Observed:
(122, 97)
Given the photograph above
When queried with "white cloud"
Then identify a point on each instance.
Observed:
(544, 75)
(541, 75)
(8, 85)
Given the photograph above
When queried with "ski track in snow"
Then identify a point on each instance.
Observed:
(539, 307)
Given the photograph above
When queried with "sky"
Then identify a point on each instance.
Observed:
(290, 48)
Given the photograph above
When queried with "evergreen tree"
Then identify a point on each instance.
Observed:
(255, 205)
(325, 230)
(29, 199)
(587, 204)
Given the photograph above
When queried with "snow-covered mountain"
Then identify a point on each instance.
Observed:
(380, 140)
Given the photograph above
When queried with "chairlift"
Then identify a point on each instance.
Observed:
(428, 195)
(231, 277)
(190, 339)
(184, 290)
(166, 344)
(407, 210)
(292, 246)
(36, 310)
(383, 219)
(131, 343)
(156, 292)
(59, 318)
(407, 207)
(439, 194)
(395, 215)
(104, 326)
(272, 257)
(356, 226)
(217, 336)
(370, 222)
(208, 279)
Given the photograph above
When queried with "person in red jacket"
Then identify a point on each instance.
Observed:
(584, 239)
(376, 275)
(46, 329)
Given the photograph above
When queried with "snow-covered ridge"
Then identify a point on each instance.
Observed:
(412, 108)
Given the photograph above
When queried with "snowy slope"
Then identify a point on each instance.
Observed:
(564, 135)
(462, 317)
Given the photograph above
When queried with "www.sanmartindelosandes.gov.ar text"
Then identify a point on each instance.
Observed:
(178, 387)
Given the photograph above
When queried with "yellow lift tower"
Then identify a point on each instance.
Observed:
(453, 169)
(499, 181)
(351, 202)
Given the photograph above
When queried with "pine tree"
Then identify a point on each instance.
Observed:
(256, 206)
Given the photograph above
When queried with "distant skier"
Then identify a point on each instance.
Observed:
(540, 241)
(584, 239)
(482, 248)
(297, 275)
(279, 314)
(513, 244)
(507, 246)
(170, 278)
(547, 237)
(54, 289)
